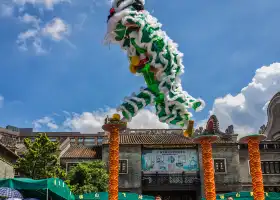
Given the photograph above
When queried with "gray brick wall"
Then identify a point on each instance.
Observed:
(229, 181)
(269, 180)
(231, 154)
(237, 177)
(131, 181)
(6, 169)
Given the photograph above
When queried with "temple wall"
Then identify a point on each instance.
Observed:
(269, 180)
(132, 180)
(228, 181)
(6, 169)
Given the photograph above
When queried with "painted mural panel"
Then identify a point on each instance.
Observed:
(171, 160)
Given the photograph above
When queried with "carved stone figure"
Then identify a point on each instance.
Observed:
(198, 131)
(230, 130)
(212, 126)
(106, 120)
(262, 129)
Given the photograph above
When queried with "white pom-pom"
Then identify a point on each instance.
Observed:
(201, 106)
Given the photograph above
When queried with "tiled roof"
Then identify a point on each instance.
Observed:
(147, 139)
(11, 153)
(29, 133)
(79, 151)
(8, 140)
(62, 139)
(4, 130)
(159, 139)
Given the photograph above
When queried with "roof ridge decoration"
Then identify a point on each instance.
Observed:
(151, 131)
(79, 151)
(212, 126)
(164, 139)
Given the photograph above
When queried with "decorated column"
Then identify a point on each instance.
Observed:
(205, 139)
(253, 142)
(114, 125)
(208, 166)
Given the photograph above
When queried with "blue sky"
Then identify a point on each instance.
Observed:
(224, 43)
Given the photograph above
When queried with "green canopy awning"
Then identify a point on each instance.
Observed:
(52, 187)
(104, 196)
(247, 196)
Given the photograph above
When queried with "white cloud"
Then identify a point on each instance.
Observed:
(6, 10)
(247, 109)
(147, 119)
(91, 122)
(56, 29)
(49, 4)
(201, 123)
(1, 101)
(30, 36)
(29, 19)
(34, 36)
(45, 122)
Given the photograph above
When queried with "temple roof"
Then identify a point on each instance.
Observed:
(7, 151)
(159, 139)
(79, 151)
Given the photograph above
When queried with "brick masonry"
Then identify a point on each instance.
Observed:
(6, 169)
(245, 177)
(132, 180)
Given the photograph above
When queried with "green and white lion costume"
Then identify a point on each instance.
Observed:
(155, 56)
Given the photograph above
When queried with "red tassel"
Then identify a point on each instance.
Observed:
(112, 10)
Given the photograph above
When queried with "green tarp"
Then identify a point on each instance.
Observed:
(104, 196)
(56, 189)
(247, 196)
(42, 189)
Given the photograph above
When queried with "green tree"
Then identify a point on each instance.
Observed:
(41, 159)
(88, 177)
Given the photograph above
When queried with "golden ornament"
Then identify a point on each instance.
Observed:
(132, 69)
(135, 60)
(116, 116)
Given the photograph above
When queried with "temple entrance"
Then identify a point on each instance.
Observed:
(174, 195)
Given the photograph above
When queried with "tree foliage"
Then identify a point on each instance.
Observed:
(88, 177)
(41, 160)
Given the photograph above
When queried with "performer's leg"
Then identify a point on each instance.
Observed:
(176, 94)
(169, 81)
(135, 103)
(173, 114)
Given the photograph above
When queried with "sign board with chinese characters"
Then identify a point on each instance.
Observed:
(170, 160)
